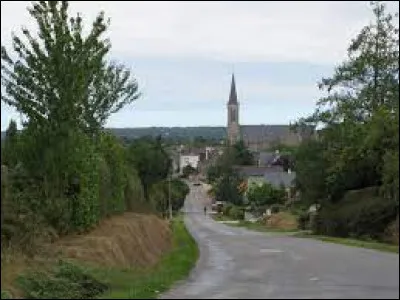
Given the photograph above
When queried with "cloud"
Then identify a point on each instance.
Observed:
(315, 32)
(184, 52)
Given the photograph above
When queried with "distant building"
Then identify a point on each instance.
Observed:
(258, 137)
(188, 159)
(274, 175)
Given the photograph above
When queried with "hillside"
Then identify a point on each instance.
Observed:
(216, 133)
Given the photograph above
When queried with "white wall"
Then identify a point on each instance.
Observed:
(185, 160)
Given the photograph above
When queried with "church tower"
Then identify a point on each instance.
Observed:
(233, 129)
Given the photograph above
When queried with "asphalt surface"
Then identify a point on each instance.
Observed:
(237, 263)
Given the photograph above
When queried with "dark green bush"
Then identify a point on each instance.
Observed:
(303, 220)
(360, 213)
(275, 208)
(226, 209)
(66, 281)
(236, 213)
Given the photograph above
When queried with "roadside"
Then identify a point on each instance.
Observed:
(148, 283)
(129, 256)
(261, 227)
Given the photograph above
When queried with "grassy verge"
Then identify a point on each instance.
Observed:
(253, 226)
(149, 283)
(262, 228)
(77, 280)
(353, 242)
(306, 234)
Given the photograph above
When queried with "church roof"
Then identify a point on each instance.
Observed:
(233, 94)
(268, 132)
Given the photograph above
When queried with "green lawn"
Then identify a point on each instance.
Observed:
(353, 242)
(149, 283)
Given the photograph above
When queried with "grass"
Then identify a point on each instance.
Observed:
(253, 226)
(306, 234)
(262, 228)
(78, 279)
(148, 283)
(353, 242)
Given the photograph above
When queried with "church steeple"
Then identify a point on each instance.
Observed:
(233, 95)
(233, 129)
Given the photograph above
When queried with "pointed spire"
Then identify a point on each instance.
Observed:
(233, 95)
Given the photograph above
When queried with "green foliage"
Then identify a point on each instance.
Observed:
(360, 214)
(5, 295)
(115, 160)
(236, 213)
(303, 220)
(275, 208)
(227, 189)
(66, 281)
(358, 144)
(265, 194)
(150, 160)
(241, 155)
(134, 194)
(188, 170)
(226, 209)
(161, 192)
(65, 174)
(11, 144)
(62, 77)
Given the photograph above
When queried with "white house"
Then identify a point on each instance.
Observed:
(188, 159)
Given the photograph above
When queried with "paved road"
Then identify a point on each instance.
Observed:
(237, 263)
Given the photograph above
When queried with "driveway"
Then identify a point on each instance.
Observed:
(237, 263)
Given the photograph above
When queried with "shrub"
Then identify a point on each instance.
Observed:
(303, 220)
(360, 213)
(5, 295)
(275, 208)
(236, 213)
(226, 209)
(66, 281)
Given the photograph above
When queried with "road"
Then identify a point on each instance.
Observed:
(237, 263)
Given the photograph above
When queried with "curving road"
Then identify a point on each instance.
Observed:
(237, 263)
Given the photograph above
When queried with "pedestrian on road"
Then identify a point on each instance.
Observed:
(205, 210)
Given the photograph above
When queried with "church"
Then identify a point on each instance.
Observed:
(258, 137)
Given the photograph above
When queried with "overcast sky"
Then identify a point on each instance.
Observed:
(183, 54)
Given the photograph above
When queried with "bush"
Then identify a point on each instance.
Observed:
(114, 172)
(5, 295)
(275, 208)
(236, 213)
(66, 281)
(226, 209)
(359, 214)
(265, 194)
(303, 220)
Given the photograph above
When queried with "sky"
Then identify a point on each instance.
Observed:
(183, 55)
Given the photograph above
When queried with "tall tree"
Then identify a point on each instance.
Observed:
(360, 112)
(61, 77)
(10, 150)
(151, 161)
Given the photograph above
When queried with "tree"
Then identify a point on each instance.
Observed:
(242, 155)
(359, 112)
(188, 170)
(227, 189)
(265, 194)
(358, 145)
(11, 143)
(62, 79)
(150, 160)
